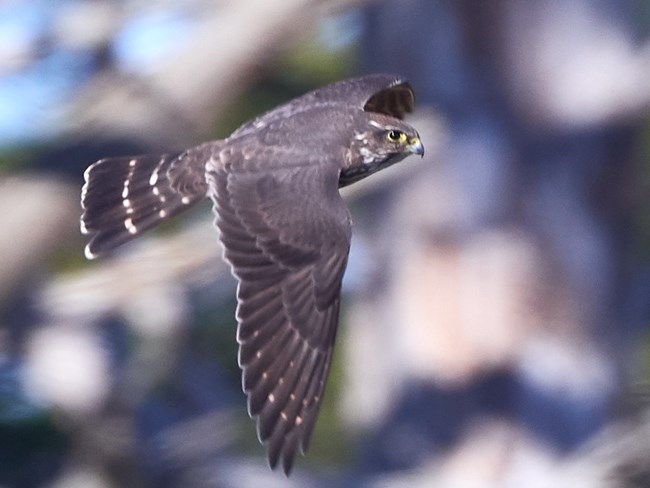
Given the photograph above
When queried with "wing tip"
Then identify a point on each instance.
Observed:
(288, 458)
(393, 96)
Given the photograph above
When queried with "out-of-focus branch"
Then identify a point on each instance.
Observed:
(183, 95)
(157, 263)
(35, 221)
(568, 64)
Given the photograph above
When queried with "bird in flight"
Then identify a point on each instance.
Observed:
(284, 227)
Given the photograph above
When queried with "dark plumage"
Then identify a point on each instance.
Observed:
(285, 229)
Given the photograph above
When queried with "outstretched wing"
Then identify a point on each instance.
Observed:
(383, 93)
(286, 233)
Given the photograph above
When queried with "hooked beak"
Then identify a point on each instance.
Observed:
(415, 146)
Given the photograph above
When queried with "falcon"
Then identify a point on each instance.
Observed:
(284, 227)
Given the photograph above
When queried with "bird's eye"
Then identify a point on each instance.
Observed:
(396, 136)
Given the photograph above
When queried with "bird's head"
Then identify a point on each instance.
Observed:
(381, 142)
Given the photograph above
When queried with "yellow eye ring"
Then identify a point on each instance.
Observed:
(396, 136)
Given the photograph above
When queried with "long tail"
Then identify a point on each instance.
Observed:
(122, 197)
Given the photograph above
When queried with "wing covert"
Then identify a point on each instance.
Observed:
(388, 94)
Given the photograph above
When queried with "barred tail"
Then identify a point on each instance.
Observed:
(122, 197)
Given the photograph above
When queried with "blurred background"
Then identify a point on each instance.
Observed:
(495, 327)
